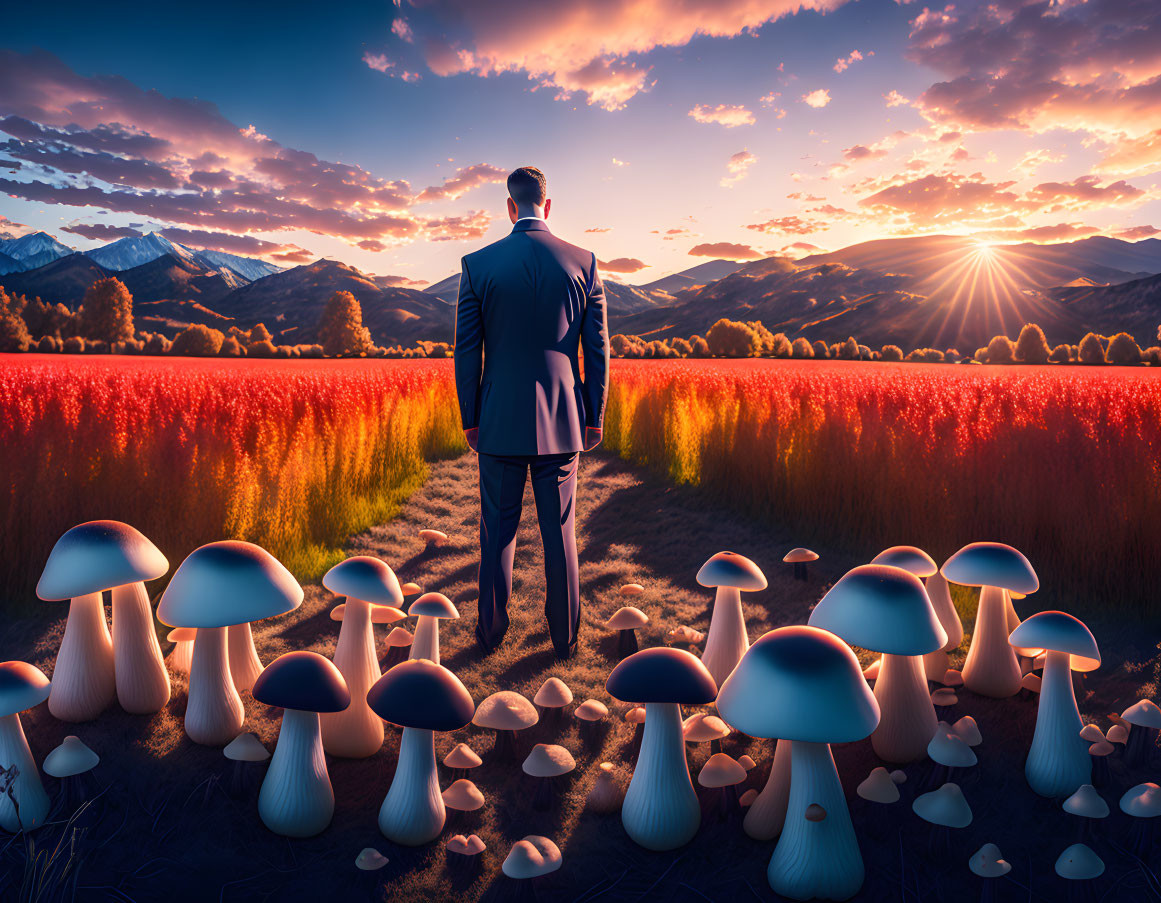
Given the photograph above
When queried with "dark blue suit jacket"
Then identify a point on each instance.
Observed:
(527, 302)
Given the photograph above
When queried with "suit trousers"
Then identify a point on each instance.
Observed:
(502, 480)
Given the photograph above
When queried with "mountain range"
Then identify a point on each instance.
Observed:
(937, 291)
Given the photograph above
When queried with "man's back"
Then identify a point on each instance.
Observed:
(526, 303)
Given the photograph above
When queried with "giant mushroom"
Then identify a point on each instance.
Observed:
(726, 641)
(886, 609)
(370, 586)
(991, 667)
(804, 685)
(919, 563)
(22, 686)
(219, 585)
(296, 799)
(422, 698)
(661, 810)
(91, 666)
(428, 610)
(1058, 760)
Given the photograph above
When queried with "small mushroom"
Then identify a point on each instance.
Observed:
(726, 642)
(991, 667)
(370, 860)
(551, 699)
(703, 727)
(247, 753)
(1099, 753)
(746, 800)
(949, 753)
(988, 864)
(22, 686)
(1030, 686)
(1079, 865)
(626, 622)
(411, 589)
(505, 712)
(766, 815)
(952, 679)
(684, 636)
(463, 853)
(370, 588)
(636, 717)
(661, 810)
(591, 714)
(943, 809)
(747, 763)
(629, 590)
(878, 787)
(219, 585)
(91, 666)
(530, 859)
(422, 698)
(296, 799)
(968, 731)
(944, 700)
(1117, 733)
(1144, 720)
(800, 558)
(398, 643)
(462, 796)
(1058, 760)
(182, 654)
(606, 794)
(429, 609)
(434, 538)
(1143, 804)
(938, 591)
(547, 764)
(1088, 806)
(461, 760)
(72, 763)
(722, 775)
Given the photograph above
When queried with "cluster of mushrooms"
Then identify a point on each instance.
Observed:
(800, 686)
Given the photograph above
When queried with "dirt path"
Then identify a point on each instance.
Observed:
(166, 821)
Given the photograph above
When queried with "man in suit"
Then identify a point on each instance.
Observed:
(526, 303)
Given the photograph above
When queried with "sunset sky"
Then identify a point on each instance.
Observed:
(670, 132)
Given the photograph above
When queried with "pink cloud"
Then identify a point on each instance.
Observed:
(726, 249)
(729, 115)
(232, 244)
(736, 168)
(1133, 233)
(465, 179)
(817, 99)
(472, 226)
(622, 265)
(844, 63)
(789, 225)
(378, 61)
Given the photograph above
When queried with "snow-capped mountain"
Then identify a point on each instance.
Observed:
(249, 268)
(126, 253)
(34, 249)
(9, 264)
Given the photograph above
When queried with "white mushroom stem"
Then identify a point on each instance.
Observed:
(413, 812)
(245, 666)
(142, 681)
(726, 642)
(214, 713)
(816, 858)
(425, 643)
(27, 789)
(908, 716)
(83, 683)
(296, 799)
(181, 656)
(356, 732)
(766, 814)
(991, 668)
(1058, 760)
(661, 811)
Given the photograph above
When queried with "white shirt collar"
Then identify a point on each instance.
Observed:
(541, 218)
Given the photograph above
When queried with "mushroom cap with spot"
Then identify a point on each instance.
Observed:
(505, 710)
(553, 694)
(463, 796)
(632, 589)
(1079, 863)
(433, 605)
(365, 578)
(627, 618)
(991, 564)
(22, 686)
(661, 674)
(721, 770)
(399, 636)
(532, 857)
(702, 727)
(799, 683)
(462, 756)
(97, 556)
(246, 747)
(421, 694)
(799, 556)
(909, 558)
(370, 860)
(948, 748)
(71, 758)
(1087, 803)
(380, 614)
(987, 862)
(1142, 801)
(883, 609)
(304, 681)
(968, 731)
(1056, 631)
(466, 846)
(733, 570)
(226, 583)
(945, 806)
(1091, 733)
(591, 710)
(548, 761)
(1143, 713)
(878, 787)
(182, 635)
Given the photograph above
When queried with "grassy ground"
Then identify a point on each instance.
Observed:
(165, 828)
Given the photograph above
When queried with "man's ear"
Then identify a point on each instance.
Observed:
(547, 206)
(513, 213)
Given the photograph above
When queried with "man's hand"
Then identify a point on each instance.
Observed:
(592, 437)
(473, 437)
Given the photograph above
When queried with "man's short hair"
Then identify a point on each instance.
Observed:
(528, 187)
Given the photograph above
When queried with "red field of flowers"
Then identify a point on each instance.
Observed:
(293, 455)
(1062, 462)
